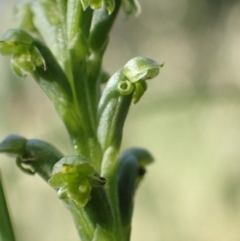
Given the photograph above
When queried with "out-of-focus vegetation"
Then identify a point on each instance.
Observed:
(189, 119)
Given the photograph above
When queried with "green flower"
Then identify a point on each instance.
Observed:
(25, 56)
(136, 71)
(75, 177)
(141, 68)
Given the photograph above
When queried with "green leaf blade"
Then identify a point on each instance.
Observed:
(6, 229)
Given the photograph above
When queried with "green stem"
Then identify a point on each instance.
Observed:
(82, 99)
(77, 31)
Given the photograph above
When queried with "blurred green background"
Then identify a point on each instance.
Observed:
(189, 119)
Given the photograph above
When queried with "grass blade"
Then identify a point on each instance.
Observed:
(6, 229)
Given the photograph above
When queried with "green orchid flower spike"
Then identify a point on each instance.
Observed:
(61, 44)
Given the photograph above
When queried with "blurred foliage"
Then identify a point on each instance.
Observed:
(189, 119)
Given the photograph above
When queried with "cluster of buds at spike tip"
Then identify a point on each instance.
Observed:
(136, 71)
(75, 177)
(25, 56)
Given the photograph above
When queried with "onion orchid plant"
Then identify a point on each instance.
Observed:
(61, 44)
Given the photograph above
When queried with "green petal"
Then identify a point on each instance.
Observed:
(80, 194)
(62, 193)
(37, 58)
(85, 187)
(14, 40)
(71, 177)
(8, 48)
(56, 180)
(71, 160)
(17, 70)
(24, 61)
(141, 68)
(140, 88)
(17, 36)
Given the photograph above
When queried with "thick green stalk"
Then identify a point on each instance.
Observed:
(82, 99)
(77, 30)
(69, 44)
(69, 74)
